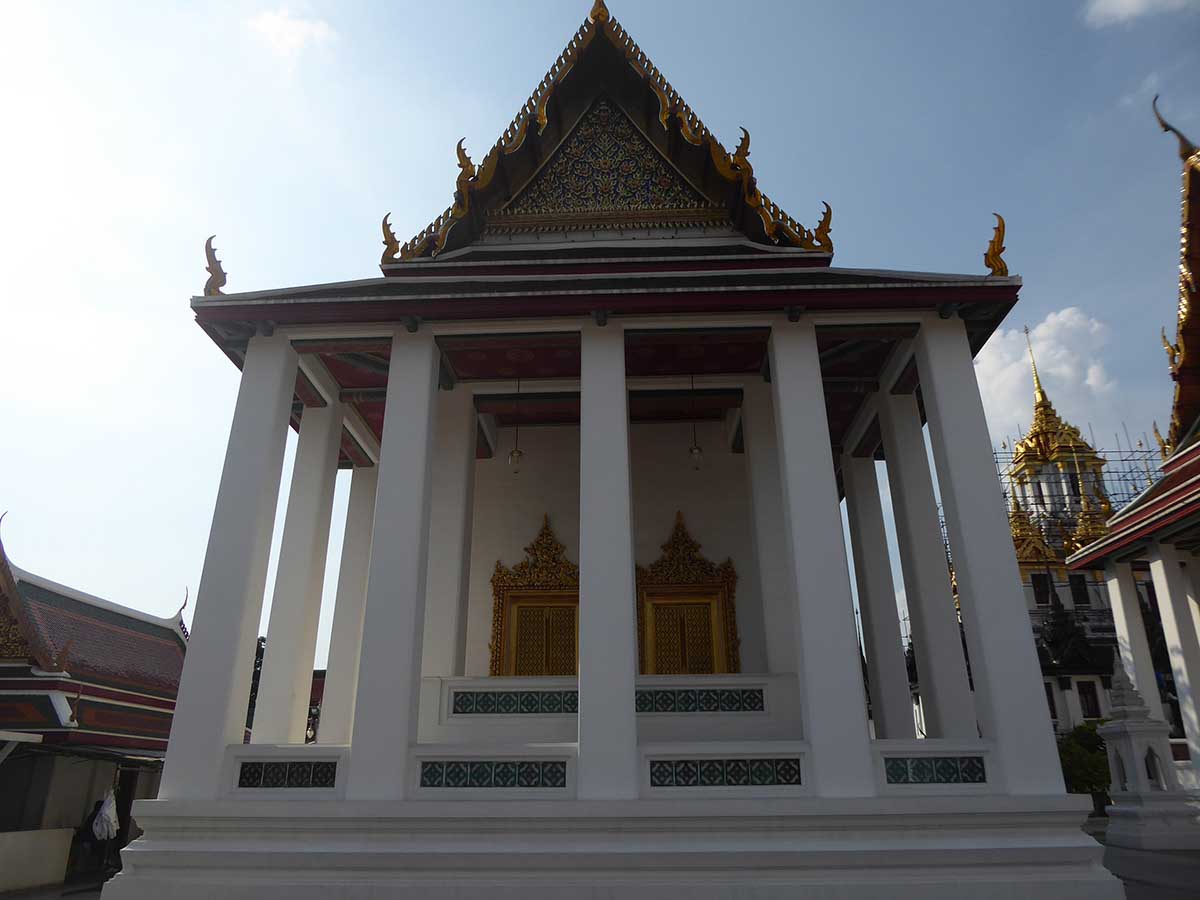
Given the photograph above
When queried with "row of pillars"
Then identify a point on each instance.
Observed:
(1176, 579)
(376, 646)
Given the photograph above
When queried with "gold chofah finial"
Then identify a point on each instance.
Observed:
(993, 256)
(1039, 395)
(742, 153)
(1174, 352)
(1186, 147)
(1164, 448)
(391, 246)
(216, 275)
(599, 12)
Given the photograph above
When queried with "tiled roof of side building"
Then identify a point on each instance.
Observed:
(95, 640)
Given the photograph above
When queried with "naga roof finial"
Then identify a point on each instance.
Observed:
(216, 275)
(599, 12)
(391, 246)
(993, 256)
(1186, 147)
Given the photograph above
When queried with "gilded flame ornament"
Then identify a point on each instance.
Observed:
(216, 275)
(993, 257)
(391, 246)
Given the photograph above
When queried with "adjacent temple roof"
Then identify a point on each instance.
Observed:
(59, 629)
(1184, 363)
(604, 142)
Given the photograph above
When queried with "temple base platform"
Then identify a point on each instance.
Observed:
(934, 848)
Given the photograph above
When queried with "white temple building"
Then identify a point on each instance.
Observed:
(595, 631)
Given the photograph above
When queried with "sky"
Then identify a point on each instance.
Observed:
(136, 130)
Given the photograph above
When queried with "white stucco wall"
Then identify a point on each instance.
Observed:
(714, 501)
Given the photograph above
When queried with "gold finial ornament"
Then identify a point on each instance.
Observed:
(1164, 448)
(1186, 147)
(599, 12)
(216, 275)
(391, 246)
(1174, 352)
(993, 257)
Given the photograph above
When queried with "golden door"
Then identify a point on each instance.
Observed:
(683, 632)
(543, 635)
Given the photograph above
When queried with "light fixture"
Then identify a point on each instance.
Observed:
(695, 452)
(515, 455)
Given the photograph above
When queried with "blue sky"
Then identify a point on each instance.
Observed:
(136, 130)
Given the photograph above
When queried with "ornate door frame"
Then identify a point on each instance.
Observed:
(545, 570)
(682, 568)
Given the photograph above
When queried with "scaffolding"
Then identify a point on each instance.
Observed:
(1128, 470)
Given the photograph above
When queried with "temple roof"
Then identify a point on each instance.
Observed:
(604, 142)
(60, 629)
(1049, 438)
(1184, 364)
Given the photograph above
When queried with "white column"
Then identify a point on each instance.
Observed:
(1009, 698)
(887, 673)
(450, 534)
(941, 669)
(1131, 634)
(285, 685)
(345, 638)
(385, 721)
(833, 702)
(210, 710)
(608, 756)
(1177, 608)
(770, 539)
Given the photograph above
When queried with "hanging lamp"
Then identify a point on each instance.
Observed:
(695, 452)
(515, 455)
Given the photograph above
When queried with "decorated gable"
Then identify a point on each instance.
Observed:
(606, 174)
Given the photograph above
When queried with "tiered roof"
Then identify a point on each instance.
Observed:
(697, 181)
(118, 668)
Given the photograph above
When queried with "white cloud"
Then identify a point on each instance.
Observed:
(1067, 345)
(1099, 13)
(288, 35)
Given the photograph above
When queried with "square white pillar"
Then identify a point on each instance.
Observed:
(1131, 635)
(770, 538)
(941, 669)
(1177, 607)
(345, 638)
(1009, 698)
(834, 704)
(608, 755)
(385, 719)
(210, 710)
(445, 641)
(887, 672)
(285, 684)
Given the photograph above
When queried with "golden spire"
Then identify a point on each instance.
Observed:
(1039, 395)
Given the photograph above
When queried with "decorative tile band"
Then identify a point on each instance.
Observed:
(724, 772)
(509, 703)
(649, 700)
(934, 769)
(489, 773)
(290, 774)
(699, 700)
